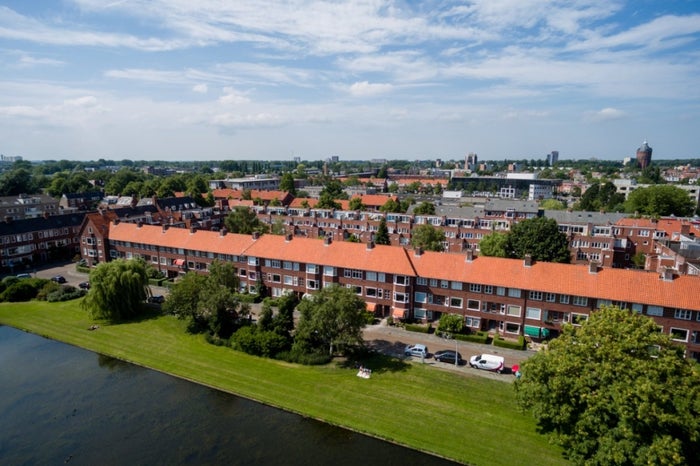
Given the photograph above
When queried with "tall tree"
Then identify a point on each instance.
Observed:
(494, 245)
(424, 208)
(615, 391)
(334, 317)
(540, 238)
(428, 237)
(356, 204)
(287, 184)
(660, 200)
(243, 220)
(382, 235)
(118, 290)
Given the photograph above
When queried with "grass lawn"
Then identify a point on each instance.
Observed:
(469, 419)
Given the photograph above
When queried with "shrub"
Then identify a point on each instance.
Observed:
(518, 345)
(308, 359)
(64, 293)
(478, 337)
(418, 328)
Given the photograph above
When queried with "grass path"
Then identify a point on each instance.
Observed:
(469, 419)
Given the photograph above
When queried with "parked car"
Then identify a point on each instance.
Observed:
(448, 356)
(84, 285)
(156, 299)
(418, 350)
(59, 279)
(488, 362)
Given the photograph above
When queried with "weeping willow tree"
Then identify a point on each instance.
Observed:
(118, 290)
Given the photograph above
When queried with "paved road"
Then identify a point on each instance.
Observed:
(393, 340)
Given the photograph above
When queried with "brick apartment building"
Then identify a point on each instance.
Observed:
(507, 296)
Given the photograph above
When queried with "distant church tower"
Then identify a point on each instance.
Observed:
(644, 155)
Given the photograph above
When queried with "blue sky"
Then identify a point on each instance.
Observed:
(211, 79)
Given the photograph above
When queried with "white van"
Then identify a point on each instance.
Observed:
(488, 362)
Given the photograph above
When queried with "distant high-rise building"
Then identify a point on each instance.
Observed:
(644, 155)
(553, 157)
(471, 162)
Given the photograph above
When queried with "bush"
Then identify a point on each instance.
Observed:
(248, 298)
(23, 290)
(257, 342)
(418, 328)
(478, 337)
(308, 359)
(64, 293)
(518, 345)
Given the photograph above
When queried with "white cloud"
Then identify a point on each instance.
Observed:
(364, 89)
(605, 114)
(200, 88)
(233, 97)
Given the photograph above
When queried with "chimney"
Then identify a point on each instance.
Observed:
(139, 224)
(192, 230)
(528, 260)
(288, 237)
(256, 235)
(470, 255)
(116, 221)
(370, 245)
(327, 240)
(667, 274)
(222, 232)
(593, 267)
(418, 251)
(165, 228)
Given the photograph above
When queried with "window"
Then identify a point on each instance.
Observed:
(328, 271)
(473, 322)
(604, 302)
(564, 298)
(550, 297)
(456, 302)
(312, 284)
(533, 313)
(400, 280)
(420, 297)
(512, 328)
(311, 268)
(422, 281)
(655, 311)
(580, 301)
(400, 297)
(536, 295)
(371, 292)
(252, 261)
(289, 280)
(488, 289)
(443, 284)
(514, 292)
(683, 314)
(456, 286)
(679, 334)
(500, 291)
(578, 319)
(355, 289)
(513, 310)
(474, 288)
(433, 282)
(276, 278)
(419, 313)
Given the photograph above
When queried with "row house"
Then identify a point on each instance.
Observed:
(26, 243)
(27, 206)
(80, 201)
(508, 297)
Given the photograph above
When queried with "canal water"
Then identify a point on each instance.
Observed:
(63, 405)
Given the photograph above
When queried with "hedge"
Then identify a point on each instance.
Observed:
(418, 328)
(478, 337)
(518, 345)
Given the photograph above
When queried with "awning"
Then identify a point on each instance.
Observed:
(532, 331)
(398, 313)
(371, 307)
(179, 262)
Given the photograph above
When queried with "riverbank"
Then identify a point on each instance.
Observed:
(466, 418)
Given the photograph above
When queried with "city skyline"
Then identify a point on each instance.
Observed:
(206, 80)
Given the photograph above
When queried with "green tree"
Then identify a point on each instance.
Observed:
(327, 201)
(356, 204)
(660, 200)
(333, 318)
(601, 196)
(17, 181)
(244, 221)
(391, 206)
(287, 184)
(451, 323)
(494, 245)
(382, 234)
(552, 204)
(118, 290)
(540, 238)
(428, 238)
(424, 208)
(615, 391)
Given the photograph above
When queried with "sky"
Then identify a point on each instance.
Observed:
(365, 79)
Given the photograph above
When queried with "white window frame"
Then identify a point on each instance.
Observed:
(533, 313)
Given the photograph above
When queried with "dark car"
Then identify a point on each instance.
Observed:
(448, 356)
(84, 285)
(156, 299)
(59, 279)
